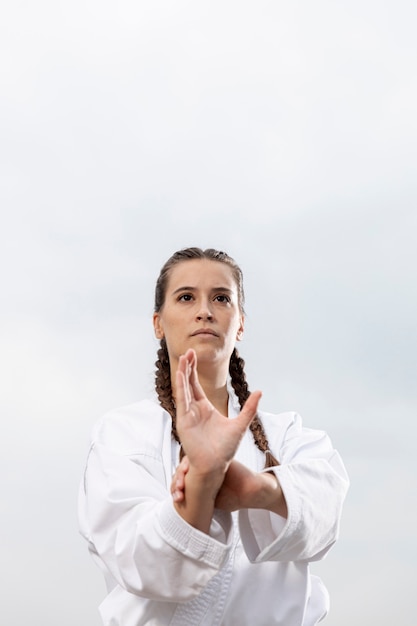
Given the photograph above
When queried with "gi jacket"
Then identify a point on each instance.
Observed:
(253, 566)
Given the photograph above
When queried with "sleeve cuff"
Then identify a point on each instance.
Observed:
(212, 549)
(264, 533)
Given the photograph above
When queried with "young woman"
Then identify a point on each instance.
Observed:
(198, 508)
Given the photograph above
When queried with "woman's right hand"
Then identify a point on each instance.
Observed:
(209, 439)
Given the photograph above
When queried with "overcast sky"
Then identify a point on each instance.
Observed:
(282, 132)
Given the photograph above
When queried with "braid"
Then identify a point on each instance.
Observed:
(240, 386)
(164, 389)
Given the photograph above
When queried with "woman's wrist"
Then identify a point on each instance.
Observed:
(203, 484)
(197, 505)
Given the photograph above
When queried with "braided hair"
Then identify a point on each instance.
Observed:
(236, 366)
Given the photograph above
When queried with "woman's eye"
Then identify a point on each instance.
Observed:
(185, 297)
(222, 298)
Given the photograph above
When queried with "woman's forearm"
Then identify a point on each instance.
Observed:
(243, 488)
(270, 495)
(195, 496)
(197, 505)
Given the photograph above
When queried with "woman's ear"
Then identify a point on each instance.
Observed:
(157, 326)
(241, 329)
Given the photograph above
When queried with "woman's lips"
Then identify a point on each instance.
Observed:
(204, 331)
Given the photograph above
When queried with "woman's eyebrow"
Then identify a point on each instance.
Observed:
(224, 289)
(183, 289)
(188, 288)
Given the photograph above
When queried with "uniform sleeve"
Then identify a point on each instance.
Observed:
(131, 524)
(314, 481)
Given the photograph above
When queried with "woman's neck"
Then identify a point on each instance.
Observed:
(216, 393)
(214, 387)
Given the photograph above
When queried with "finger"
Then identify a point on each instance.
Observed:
(185, 464)
(178, 484)
(196, 391)
(182, 469)
(178, 480)
(195, 383)
(182, 392)
(189, 373)
(177, 487)
(178, 495)
(184, 366)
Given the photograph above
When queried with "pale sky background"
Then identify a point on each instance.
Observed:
(282, 132)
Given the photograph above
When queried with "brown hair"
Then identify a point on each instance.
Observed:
(237, 364)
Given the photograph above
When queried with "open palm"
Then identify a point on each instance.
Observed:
(209, 439)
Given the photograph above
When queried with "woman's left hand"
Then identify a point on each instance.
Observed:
(178, 480)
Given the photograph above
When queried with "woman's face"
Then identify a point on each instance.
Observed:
(201, 311)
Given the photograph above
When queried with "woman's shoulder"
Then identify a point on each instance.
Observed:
(132, 426)
(289, 422)
(286, 431)
(279, 421)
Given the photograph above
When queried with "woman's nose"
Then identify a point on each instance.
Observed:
(204, 312)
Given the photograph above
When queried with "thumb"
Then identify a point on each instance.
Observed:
(250, 408)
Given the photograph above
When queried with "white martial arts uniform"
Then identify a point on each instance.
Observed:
(253, 566)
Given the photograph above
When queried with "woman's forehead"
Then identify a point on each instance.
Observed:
(195, 272)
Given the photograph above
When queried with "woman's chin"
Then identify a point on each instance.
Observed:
(209, 355)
